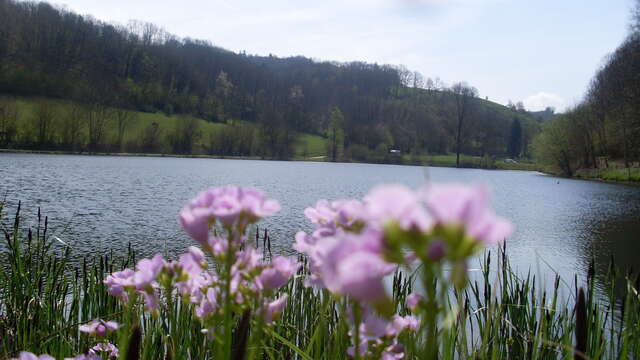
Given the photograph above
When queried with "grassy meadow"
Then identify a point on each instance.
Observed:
(306, 145)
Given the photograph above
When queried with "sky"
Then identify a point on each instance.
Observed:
(540, 52)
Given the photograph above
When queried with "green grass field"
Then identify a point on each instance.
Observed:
(307, 146)
(631, 174)
(310, 147)
(469, 161)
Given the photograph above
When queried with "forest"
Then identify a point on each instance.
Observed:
(70, 82)
(600, 137)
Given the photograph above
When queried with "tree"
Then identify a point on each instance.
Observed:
(71, 127)
(223, 90)
(335, 135)
(184, 135)
(123, 118)
(150, 140)
(635, 18)
(97, 117)
(463, 99)
(514, 148)
(43, 120)
(141, 67)
(555, 146)
(8, 121)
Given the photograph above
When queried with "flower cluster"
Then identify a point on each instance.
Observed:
(355, 241)
(94, 353)
(241, 278)
(230, 206)
(126, 283)
(379, 336)
(356, 244)
(99, 328)
(30, 356)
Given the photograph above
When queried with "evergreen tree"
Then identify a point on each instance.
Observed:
(335, 135)
(514, 148)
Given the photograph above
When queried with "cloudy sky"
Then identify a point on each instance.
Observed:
(541, 52)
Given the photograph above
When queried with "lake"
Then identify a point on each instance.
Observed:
(102, 203)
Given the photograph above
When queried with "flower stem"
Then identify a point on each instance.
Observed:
(357, 318)
(227, 328)
(431, 313)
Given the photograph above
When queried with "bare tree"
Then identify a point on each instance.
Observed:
(150, 139)
(71, 127)
(418, 80)
(185, 134)
(97, 119)
(463, 96)
(43, 123)
(8, 121)
(223, 89)
(123, 118)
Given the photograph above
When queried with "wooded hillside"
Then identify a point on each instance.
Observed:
(48, 52)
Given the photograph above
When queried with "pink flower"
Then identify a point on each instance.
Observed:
(107, 348)
(381, 335)
(255, 204)
(29, 356)
(99, 327)
(436, 250)
(279, 273)
(217, 245)
(304, 243)
(147, 270)
(192, 287)
(230, 205)
(118, 282)
(208, 305)
(192, 262)
(195, 221)
(272, 310)
(413, 300)
(322, 214)
(89, 356)
(400, 324)
(143, 280)
(398, 203)
(351, 265)
(467, 206)
(329, 217)
(393, 352)
(349, 212)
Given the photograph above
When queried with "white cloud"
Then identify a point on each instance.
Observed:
(541, 100)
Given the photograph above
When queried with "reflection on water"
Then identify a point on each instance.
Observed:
(103, 203)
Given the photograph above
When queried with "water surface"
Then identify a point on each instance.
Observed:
(101, 203)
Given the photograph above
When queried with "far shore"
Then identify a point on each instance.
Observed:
(512, 166)
(516, 166)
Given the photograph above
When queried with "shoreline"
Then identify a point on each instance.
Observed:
(510, 167)
(592, 179)
(320, 159)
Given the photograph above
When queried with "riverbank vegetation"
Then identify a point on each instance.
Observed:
(73, 83)
(49, 303)
(599, 137)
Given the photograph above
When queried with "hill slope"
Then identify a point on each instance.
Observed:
(53, 53)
